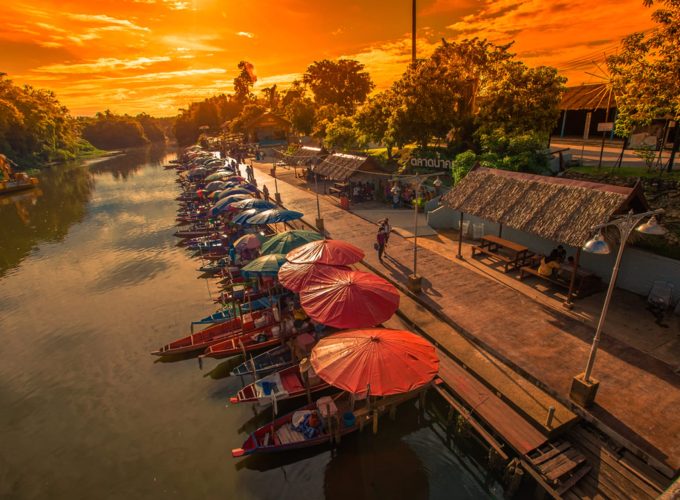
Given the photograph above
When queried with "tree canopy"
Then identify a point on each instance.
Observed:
(343, 83)
(34, 126)
(645, 73)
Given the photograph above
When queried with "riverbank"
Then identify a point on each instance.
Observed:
(544, 346)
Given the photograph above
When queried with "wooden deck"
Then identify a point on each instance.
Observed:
(515, 430)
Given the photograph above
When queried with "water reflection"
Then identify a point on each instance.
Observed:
(45, 215)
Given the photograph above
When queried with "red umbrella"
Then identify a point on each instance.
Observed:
(349, 299)
(377, 360)
(294, 276)
(335, 252)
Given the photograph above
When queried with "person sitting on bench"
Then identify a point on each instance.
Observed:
(549, 264)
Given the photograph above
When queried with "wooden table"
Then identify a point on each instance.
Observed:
(497, 248)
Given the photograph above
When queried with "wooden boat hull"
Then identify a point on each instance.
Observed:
(255, 442)
(291, 381)
(7, 187)
(214, 334)
(244, 342)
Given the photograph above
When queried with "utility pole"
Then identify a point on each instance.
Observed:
(413, 33)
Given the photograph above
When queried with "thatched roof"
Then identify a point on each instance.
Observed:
(554, 208)
(587, 97)
(341, 166)
(305, 155)
(267, 119)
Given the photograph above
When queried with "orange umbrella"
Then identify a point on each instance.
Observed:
(295, 276)
(335, 252)
(377, 360)
(348, 299)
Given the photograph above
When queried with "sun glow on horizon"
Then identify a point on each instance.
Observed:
(156, 56)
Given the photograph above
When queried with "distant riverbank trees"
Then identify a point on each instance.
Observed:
(107, 130)
(34, 127)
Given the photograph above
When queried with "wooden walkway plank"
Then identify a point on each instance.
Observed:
(518, 433)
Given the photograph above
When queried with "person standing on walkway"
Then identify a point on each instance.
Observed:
(385, 226)
(380, 243)
(265, 192)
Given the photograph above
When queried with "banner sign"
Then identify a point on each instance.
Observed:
(436, 163)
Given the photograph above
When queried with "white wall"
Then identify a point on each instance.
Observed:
(639, 269)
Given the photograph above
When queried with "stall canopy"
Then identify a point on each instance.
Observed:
(340, 166)
(305, 155)
(554, 208)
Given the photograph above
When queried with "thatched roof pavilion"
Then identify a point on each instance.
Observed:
(554, 208)
(305, 155)
(340, 166)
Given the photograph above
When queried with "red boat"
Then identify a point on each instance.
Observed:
(262, 338)
(199, 341)
(283, 435)
(284, 384)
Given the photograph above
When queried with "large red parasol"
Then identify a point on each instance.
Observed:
(295, 276)
(334, 252)
(378, 361)
(349, 299)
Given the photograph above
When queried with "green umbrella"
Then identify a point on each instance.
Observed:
(265, 265)
(288, 240)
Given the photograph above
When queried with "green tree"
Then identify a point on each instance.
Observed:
(271, 97)
(244, 82)
(343, 83)
(645, 74)
(301, 112)
(152, 128)
(343, 134)
(374, 119)
(110, 131)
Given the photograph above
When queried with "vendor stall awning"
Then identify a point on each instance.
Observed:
(554, 208)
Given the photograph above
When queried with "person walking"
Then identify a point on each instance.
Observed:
(380, 243)
(265, 192)
(385, 226)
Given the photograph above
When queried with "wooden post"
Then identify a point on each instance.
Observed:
(500, 230)
(305, 377)
(330, 421)
(569, 303)
(551, 416)
(375, 421)
(460, 238)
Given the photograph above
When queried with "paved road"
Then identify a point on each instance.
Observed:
(639, 395)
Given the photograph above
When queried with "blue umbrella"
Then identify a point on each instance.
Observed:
(252, 203)
(223, 204)
(274, 215)
(235, 190)
(249, 187)
(243, 216)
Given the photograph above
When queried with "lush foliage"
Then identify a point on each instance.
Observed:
(211, 113)
(465, 89)
(343, 134)
(645, 74)
(110, 131)
(248, 114)
(34, 126)
(244, 82)
(343, 83)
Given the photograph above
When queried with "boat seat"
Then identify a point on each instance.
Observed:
(287, 435)
(292, 382)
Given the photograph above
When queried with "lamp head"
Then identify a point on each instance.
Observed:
(597, 245)
(651, 227)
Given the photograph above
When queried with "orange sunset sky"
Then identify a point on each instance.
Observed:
(158, 55)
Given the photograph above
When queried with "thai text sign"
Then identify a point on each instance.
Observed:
(437, 163)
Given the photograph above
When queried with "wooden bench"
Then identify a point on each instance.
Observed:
(493, 245)
(524, 270)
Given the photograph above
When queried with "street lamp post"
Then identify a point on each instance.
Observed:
(319, 220)
(277, 195)
(583, 386)
(414, 281)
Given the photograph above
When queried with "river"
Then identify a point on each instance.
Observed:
(90, 282)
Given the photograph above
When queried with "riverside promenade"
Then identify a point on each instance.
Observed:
(638, 396)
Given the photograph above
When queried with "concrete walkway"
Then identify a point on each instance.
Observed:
(639, 395)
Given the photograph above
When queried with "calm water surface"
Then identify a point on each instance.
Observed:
(90, 282)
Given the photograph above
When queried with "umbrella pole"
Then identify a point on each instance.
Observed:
(305, 377)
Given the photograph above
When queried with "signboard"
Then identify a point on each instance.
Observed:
(436, 163)
(605, 126)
